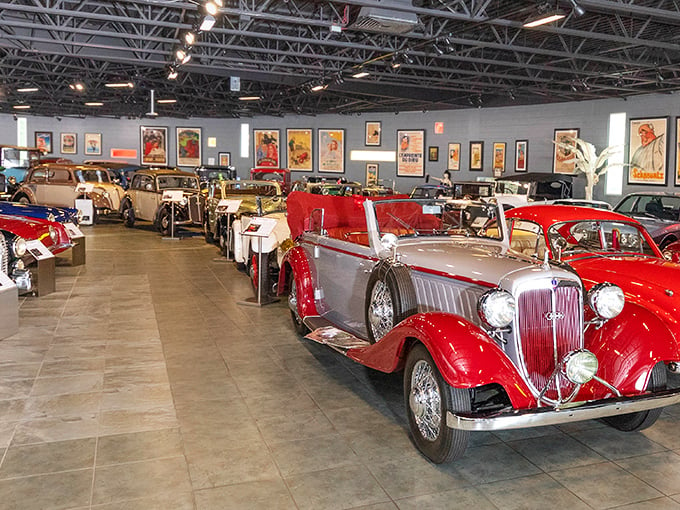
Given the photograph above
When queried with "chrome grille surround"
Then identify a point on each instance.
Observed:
(548, 326)
(194, 208)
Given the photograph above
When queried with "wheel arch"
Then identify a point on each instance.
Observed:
(295, 262)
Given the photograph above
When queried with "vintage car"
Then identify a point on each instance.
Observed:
(59, 185)
(377, 190)
(257, 198)
(280, 175)
(14, 255)
(120, 172)
(16, 160)
(41, 212)
(521, 189)
(52, 234)
(488, 340)
(150, 194)
(659, 212)
(210, 173)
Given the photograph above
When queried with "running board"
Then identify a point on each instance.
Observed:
(324, 332)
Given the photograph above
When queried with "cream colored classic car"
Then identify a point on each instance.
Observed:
(59, 184)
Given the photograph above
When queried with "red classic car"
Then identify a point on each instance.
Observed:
(51, 233)
(487, 339)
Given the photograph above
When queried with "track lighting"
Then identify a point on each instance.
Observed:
(437, 49)
(207, 23)
(211, 8)
(78, 86)
(190, 38)
(577, 9)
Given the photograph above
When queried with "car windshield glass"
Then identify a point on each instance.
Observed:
(471, 190)
(436, 218)
(92, 176)
(512, 188)
(249, 188)
(177, 181)
(664, 207)
(17, 158)
(344, 190)
(597, 236)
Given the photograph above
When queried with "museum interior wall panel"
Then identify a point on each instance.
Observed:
(533, 123)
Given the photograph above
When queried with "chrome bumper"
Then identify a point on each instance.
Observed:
(578, 411)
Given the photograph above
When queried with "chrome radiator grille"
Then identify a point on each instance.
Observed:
(194, 209)
(549, 327)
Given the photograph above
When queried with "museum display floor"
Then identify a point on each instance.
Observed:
(143, 384)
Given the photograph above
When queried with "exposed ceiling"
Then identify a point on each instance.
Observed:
(454, 54)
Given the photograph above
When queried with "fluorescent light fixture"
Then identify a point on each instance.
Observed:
(121, 85)
(28, 89)
(77, 86)
(249, 98)
(207, 23)
(211, 8)
(94, 103)
(361, 74)
(245, 140)
(319, 87)
(21, 107)
(166, 101)
(544, 19)
(386, 156)
(190, 38)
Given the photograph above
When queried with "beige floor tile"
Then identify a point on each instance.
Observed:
(55, 429)
(261, 495)
(48, 458)
(122, 421)
(84, 383)
(464, 498)
(531, 493)
(68, 489)
(138, 446)
(660, 470)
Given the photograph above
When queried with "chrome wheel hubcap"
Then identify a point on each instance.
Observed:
(425, 400)
(380, 311)
(292, 301)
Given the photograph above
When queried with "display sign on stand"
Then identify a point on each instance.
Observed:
(174, 196)
(78, 240)
(228, 207)
(9, 307)
(46, 274)
(86, 208)
(259, 227)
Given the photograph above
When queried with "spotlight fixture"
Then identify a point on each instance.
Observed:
(190, 38)
(183, 56)
(211, 8)
(338, 79)
(577, 9)
(396, 61)
(218, 3)
(437, 49)
(511, 94)
(79, 87)
(319, 87)
(585, 85)
(172, 73)
(573, 87)
(28, 89)
(120, 85)
(207, 23)
(361, 74)
(449, 47)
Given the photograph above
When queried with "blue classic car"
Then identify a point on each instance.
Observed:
(42, 212)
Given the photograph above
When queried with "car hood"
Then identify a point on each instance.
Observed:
(28, 228)
(39, 211)
(249, 204)
(651, 282)
(479, 261)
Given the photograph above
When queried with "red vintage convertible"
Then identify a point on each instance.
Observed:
(487, 339)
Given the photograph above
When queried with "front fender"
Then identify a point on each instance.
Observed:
(464, 354)
(295, 260)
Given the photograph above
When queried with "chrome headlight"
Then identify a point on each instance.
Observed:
(53, 234)
(496, 308)
(184, 201)
(580, 366)
(19, 247)
(606, 300)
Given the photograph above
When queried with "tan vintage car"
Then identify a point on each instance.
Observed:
(60, 184)
(144, 199)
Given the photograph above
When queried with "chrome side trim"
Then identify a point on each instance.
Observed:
(577, 411)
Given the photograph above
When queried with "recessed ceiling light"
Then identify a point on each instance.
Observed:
(77, 86)
(317, 88)
(166, 101)
(28, 89)
(21, 106)
(361, 74)
(121, 85)
(249, 98)
(94, 103)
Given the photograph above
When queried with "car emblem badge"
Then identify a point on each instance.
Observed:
(554, 283)
(553, 316)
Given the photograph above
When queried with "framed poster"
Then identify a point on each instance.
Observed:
(498, 158)
(521, 155)
(69, 143)
(371, 174)
(563, 158)
(647, 151)
(43, 141)
(677, 151)
(411, 153)
(188, 146)
(224, 158)
(332, 150)
(476, 156)
(373, 132)
(154, 145)
(93, 144)
(433, 153)
(266, 148)
(453, 157)
(299, 149)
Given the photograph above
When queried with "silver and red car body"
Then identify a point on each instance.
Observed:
(339, 247)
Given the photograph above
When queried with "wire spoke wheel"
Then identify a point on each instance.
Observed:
(381, 310)
(425, 400)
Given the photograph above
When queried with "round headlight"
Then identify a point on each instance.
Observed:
(184, 201)
(19, 247)
(496, 308)
(606, 300)
(580, 366)
(53, 234)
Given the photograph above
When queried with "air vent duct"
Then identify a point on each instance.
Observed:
(385, 18)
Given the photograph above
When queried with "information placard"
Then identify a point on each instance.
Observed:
(227, 206)
(39, 251)
(259, 227)
(84, 187)
(73, 230)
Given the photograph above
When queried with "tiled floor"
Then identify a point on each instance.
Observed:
(143, 384)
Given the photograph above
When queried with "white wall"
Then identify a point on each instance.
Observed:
(534, 123)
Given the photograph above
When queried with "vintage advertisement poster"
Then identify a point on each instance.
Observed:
(43, 141)
(563, 157)
(647, 151)
(498, 159)
(453, 157)
(188, 146)
(93, 144)
(371, 174)
(411, 153)
(373, 130)
(224, 158)
(154, 146)
(476, 156)
(266, 148)
(332, 150)
(69, 143)
(299, 149)
(521, 152)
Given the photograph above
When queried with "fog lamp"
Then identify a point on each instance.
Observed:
(19, 247)
(496, 308)
(606, 300)
(580, 366)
